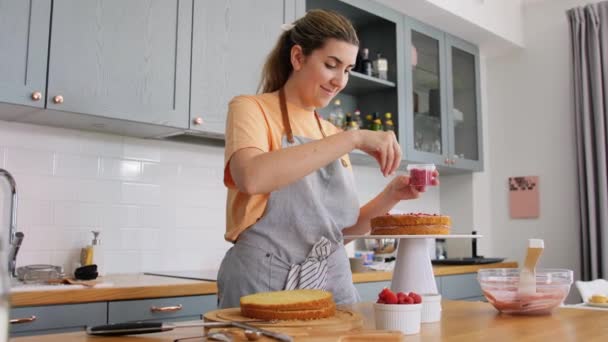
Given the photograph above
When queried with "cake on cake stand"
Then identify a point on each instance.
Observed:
(413, 269)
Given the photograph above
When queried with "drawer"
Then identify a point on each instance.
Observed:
(460, 286)
(160, 309)
(57, 318)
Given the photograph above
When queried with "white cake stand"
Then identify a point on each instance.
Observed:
(413, 268)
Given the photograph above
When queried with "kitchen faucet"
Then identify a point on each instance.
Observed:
(15, 238)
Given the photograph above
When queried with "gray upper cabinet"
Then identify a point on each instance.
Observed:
(230, 42)
(442, 114)
(426, 136)
(127, 60)
(24, 38)
(463, 105)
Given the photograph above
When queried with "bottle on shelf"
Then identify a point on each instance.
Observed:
(376, 123)
(366, 64)
(380, 67)
(336, 115)
(388, 122)
(350, 124)
(357, 118)
(369, 120)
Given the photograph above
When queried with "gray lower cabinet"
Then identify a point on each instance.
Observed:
(461, 287)
(161, 309)
(24, 39)
(49, 319)
(228, 53)
(455, 287)
(36, 320)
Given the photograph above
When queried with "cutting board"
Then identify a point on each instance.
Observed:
(346, 325)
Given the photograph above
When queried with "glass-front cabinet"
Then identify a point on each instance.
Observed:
(427, 90)
(426, 138)
(464, 119)
(442, 115)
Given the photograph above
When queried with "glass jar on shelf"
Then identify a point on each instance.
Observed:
(380, 67)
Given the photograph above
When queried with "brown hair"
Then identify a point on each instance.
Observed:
(310, 32)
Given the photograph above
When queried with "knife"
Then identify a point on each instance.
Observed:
(134, 328)
(276, 335)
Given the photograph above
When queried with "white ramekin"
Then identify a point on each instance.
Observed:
(402, 317)
(431, 308)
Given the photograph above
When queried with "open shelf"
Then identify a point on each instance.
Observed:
(359, 83)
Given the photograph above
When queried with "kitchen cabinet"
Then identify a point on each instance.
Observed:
(161, 309)
(461, 287)
(35, 320)
(442, 114)
(463, 105)
(230, 42)
(432, 90)
(456, 287)
(380, 30)
(24, 39)
(127, 60)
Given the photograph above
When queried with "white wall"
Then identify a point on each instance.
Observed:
(493, 25)
(530, 126)
(160, 205)
(504, 18)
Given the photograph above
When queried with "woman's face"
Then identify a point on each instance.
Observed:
(324, 73)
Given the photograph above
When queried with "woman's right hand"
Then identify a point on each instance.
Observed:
(383, 146)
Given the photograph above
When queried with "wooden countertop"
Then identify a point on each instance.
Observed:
(125, 287)
(461, 321)
(139, 286)
(437, 270)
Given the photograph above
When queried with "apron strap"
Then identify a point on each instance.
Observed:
(285, 115)
(312, 273)
(286, 124)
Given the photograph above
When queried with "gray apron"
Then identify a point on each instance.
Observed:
(298, 242)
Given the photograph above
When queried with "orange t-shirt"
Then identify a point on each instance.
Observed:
(256, 121)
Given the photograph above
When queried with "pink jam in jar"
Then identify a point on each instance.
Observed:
(421, 174)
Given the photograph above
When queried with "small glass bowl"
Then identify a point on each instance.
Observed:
(421, 174)
(500, 287)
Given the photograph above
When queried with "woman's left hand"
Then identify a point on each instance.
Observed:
(400, 189)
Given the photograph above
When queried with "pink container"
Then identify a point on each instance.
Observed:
(421, 174)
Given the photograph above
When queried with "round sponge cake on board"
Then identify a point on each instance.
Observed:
(288, 304)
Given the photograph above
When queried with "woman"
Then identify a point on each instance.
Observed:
(291, 194)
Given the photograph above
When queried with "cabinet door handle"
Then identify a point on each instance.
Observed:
(198, 121)
(36, 96)
(23, 320)
(166, 308)
(58, 99)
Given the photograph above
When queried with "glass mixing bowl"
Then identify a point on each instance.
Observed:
(500, 287)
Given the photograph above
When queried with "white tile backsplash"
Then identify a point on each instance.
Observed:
(2, 153)
(159, 205)
(27, 161)
(75, 166)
